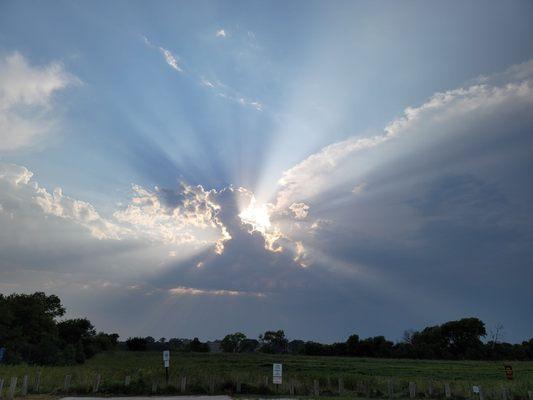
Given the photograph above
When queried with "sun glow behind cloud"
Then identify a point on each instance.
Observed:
(257, 215)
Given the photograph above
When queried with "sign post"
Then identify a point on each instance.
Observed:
(509, 372)
(166, 362)
(277, 372)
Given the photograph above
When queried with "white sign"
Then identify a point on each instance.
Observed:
(475, 389)
(277, 372)
(166, 358)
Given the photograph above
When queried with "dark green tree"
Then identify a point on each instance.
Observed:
(274, 342)
(232, 342)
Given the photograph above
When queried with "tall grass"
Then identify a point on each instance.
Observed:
(361, 377)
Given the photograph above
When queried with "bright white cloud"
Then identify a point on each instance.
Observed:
(194, 221)
(300, 210)
(171, 60)
(26, 94)
(221, 33)
(189, 291)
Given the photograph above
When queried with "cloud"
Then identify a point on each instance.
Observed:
(170, 59)
(300, 210)
(26, 100)
(444, 110)
(188, 291)
(359, 188)
(208, 83)
(442, 192)
(221, 33)
(185, 217)
(226, 92)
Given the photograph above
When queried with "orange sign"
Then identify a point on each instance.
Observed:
(509, 372)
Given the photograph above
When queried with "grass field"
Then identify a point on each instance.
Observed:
(361, 377)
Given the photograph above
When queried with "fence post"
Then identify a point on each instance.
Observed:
(37, 385)
(412, 390)
(316, 388)
(447, 390)
(212, 384)
(154, 386)
(430, 389)
(12, 388)
(391, 389)
(504, 393)
(183, 384)
(530, 394)
(127, 380)
(481, 394)
(1, 386)
(24, 389)
(341, 386)
(96, 384)
(291, 387)
(66, 385)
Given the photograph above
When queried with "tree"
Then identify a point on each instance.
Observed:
(137, 344)
(29, 330)
(351, 345)
(464, 337)
(199, 347)
(80, 334)
(274, 342)
(232, 342)
(249, 345)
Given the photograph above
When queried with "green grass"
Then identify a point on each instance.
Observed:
(360, 376)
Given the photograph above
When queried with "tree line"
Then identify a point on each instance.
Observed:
(31, 331)
(453, 340)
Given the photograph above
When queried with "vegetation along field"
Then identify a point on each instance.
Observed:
(220, 373)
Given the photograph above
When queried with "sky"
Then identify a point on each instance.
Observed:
(182, 169)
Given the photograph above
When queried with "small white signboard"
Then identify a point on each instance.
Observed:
(166, 358)
(475, 389)
(277, 372)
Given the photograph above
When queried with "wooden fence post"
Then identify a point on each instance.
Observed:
(1, 386)
(12, 388)
(127, 380)
(212, 384)
(154, 386)
(481, 394)
(96, 384)
(504, 393)
(530, 394)
(391, 389)
(24, 389)
(66, 384)
(412, 390)
(341, 386)
(430, 389)
(183, 384)
(316, 388)
(291, 387)
(447, 390)
(37, 384)
(266, 381)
